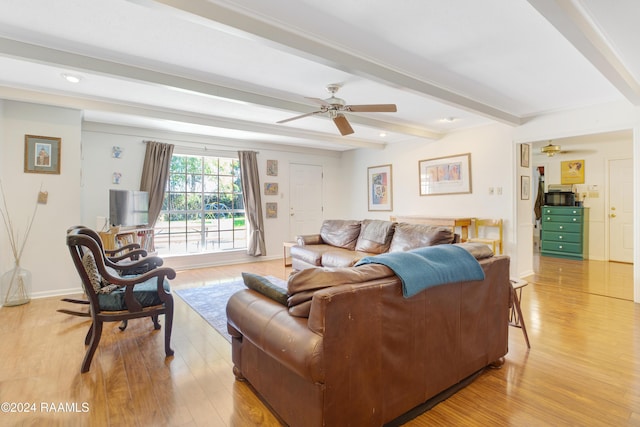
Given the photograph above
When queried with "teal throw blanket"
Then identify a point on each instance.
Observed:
(422, 268)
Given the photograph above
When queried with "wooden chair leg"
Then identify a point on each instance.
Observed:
(517, 319)
(168, 320)
(95, 340)
(156, 323)
(87, 339)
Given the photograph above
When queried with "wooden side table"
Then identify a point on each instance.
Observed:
(286, 245)
(515, 314)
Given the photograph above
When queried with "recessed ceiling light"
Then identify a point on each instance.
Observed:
(448, 119)
(383, 134)
(71, 78)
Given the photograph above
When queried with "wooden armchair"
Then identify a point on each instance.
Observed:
(127, 260)
(486, 225)
(113, 298)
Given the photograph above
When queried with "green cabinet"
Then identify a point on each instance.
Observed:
(565, 232)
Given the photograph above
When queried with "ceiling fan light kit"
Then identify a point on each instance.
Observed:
(335, 107)
(550, 150)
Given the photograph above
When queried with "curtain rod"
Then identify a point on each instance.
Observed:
(205, 147)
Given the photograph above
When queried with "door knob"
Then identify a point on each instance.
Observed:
(612, 215)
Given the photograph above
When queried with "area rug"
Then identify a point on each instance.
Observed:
(210, 301)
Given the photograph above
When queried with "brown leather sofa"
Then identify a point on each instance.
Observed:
(353, 351)
(342, 243)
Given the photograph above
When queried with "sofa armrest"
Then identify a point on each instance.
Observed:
(268, 325)
(309, 239)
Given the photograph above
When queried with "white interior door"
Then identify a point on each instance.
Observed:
(621, 210)
(305, 211)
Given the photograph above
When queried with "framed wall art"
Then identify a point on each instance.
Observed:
(524, 155)
(572, 172)
(272, 210)
(42, 154)
(272, 167)
(270, 188)
(525, 187)
(445, 175)
(379, 188)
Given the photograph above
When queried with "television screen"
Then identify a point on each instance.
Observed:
(128, 208)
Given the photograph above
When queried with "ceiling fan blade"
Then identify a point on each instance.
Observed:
(300, 116)
(372, 108)
(319, 101)
(343, 124)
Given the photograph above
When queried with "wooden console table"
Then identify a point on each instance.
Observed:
(452, 222)
(285, 257)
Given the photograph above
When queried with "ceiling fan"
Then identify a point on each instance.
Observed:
(552, 149)
(336, 107)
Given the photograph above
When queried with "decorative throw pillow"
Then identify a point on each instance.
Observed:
(107, 289)
(99, 284)
(89, 264)
(265, 287)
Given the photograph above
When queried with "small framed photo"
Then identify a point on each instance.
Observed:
(270, 188)
(272, 210)
(524, 155)
(272, 167)
(42, 154)
(525, 187)
(379, 188)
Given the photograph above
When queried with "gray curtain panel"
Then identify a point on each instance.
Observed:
(155, 172)
(252, 202)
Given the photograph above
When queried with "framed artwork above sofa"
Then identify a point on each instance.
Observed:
(379, 188)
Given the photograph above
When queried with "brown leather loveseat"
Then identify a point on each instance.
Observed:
(350, 349)
(341, 243)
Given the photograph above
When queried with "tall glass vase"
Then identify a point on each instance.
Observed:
(15, 287)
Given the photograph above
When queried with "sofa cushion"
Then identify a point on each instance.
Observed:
(412, 236)
(303, 284)
(375, 236)
(264, 286)
(146, 293)
(340, 233)
(311, 254)
(338, 257)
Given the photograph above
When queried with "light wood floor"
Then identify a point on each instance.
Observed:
(583, 367)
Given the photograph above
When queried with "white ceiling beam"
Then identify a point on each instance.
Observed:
(572, 22)
(168, 114)
(207, 12)
(44, 55)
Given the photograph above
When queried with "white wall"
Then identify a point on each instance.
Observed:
(98, 167)
(45, 253)
(493, 161)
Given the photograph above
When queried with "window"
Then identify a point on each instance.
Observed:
(203, 210)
